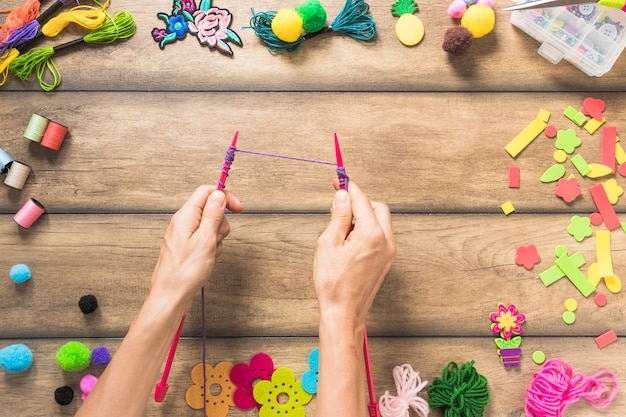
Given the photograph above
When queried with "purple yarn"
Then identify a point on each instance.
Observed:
(204, 349)
(20, 36)
(343, 178)
(228, 160)
(286, 157)
(100, 356)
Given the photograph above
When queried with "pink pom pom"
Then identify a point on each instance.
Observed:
(87, 384)
(488, 3)
(457, 9)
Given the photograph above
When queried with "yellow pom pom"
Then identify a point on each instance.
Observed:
(287, 25)
(409, 29)
(479, 20)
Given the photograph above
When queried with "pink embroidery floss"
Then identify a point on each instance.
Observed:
(556, 386)
(408, 385)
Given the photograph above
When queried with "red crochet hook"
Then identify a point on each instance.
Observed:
(162, 386)
(372, 407)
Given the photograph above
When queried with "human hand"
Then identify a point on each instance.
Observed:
(192, 243)
(353, 255)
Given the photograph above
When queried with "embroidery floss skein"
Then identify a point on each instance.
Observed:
(408, 385)
(556, 386)
(19, 16)
(460, 392)
(119, 26)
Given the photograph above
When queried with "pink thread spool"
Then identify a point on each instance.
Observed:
(54, 136)
(29, 213)
(18, 173)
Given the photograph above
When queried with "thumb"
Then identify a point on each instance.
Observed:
(340, 217)
(213, 212)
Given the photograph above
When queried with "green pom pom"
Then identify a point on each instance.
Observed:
(73, 357)
(313, 15)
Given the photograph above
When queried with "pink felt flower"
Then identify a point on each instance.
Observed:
(211, 27)
(244, 376)
(507, 321)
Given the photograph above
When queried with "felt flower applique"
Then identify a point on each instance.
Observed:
(216, 405)
(244, 376)
(310, 377)
(282, 396)
(507, 321)
(211, 25)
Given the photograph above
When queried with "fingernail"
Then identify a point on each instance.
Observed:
(341, 199)
(217, 199)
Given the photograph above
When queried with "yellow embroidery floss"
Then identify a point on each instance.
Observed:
(85, 16)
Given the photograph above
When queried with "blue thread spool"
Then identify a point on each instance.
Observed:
(36, 128)
(5, 161)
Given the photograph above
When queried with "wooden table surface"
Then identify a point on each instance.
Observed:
(420, 130)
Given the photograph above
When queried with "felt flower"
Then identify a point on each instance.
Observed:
(310, 377)
(282, 396)
(243, 376)
(507, 321)
(211, 27)
(216, 405)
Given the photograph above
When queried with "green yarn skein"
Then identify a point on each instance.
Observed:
(460, 392)
(73, 356)
(313, 15)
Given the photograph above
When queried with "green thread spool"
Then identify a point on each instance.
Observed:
(36, 128)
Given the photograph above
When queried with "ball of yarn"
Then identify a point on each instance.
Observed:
(88, 303)
(86, 385)
(457, 9)
(64, 395)
(313, 15)
(20, 273)
(16, 358)
(479, 19)
(287, 25)
(73, 356)
(100, 356)
(460, 392)
(457, 40)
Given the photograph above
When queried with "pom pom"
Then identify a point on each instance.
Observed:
(488, 3)
(73, 357)
(20, 273)
(16, 358)
(313, 15)
(287, 25)
(88, 304)
(64, 395)
(457, 40)
(87, 384)
(479, 19)
(100, 356)
(457, 9)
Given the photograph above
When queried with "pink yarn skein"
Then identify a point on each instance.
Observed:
(556, 386)
(408, 385)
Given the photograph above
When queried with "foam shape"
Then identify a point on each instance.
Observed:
(539, 357)
(16, 358)
(607, 147)
(613, 190)
(599, 170)
(593, 125)
(581, 165)
(568, 189)
(575, 276)
(514, 177)
(606, 339)
(620, 154)
(594, 107)
(569, 317)
(595, 218)
(577, 117)
(409, 29)
(560, 156)
(550, 131)
(567, 140)
(527, 256)
(528, 134)
(612, 283)
(507, 207)
(570, 304)
(510, 357)
(554, 273)
(580, 228)
(604, 206)
(603, 253)
(600, 299)
(622, 169)
(553, 173)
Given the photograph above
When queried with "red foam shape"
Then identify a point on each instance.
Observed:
(600, 299)
(622, 169)
(606, 339)
(568, 189)
(596, 219)
(598, 193)
(607, 147)
(594, 107)
(514, 177)
(550, 131)
(527, 256)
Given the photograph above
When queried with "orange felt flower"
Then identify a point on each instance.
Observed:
(219, 389)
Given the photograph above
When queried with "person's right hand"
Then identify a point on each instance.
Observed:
(353, 255)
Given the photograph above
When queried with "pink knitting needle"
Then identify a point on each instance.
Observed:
(161, 386)
(373, 404)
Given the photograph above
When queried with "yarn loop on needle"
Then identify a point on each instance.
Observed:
(408, 385)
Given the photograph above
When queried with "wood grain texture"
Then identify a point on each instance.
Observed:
(420, 130)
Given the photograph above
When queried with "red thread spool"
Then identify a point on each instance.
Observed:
(54, 136)
(29, 213)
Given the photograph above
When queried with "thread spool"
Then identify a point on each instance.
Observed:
(29, 213)
(17, 176)
(36, 127)
(5, 161)
(54, 136)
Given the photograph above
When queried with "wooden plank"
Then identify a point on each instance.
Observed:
(450, 273)
(428, 356)
(326, 63)
(430, 152)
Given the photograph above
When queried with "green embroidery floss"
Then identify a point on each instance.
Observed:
(120, 25)
(460, 392)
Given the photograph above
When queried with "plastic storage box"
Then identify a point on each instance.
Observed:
(589, 36)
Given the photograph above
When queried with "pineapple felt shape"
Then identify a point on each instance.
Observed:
(409, 28)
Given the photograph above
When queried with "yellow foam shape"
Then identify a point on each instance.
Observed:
(613, 283)
(603, 253)
(409, 29)
(530, 132)
(507, 207)
(592, 125)
(599, 170)
(620, 155)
